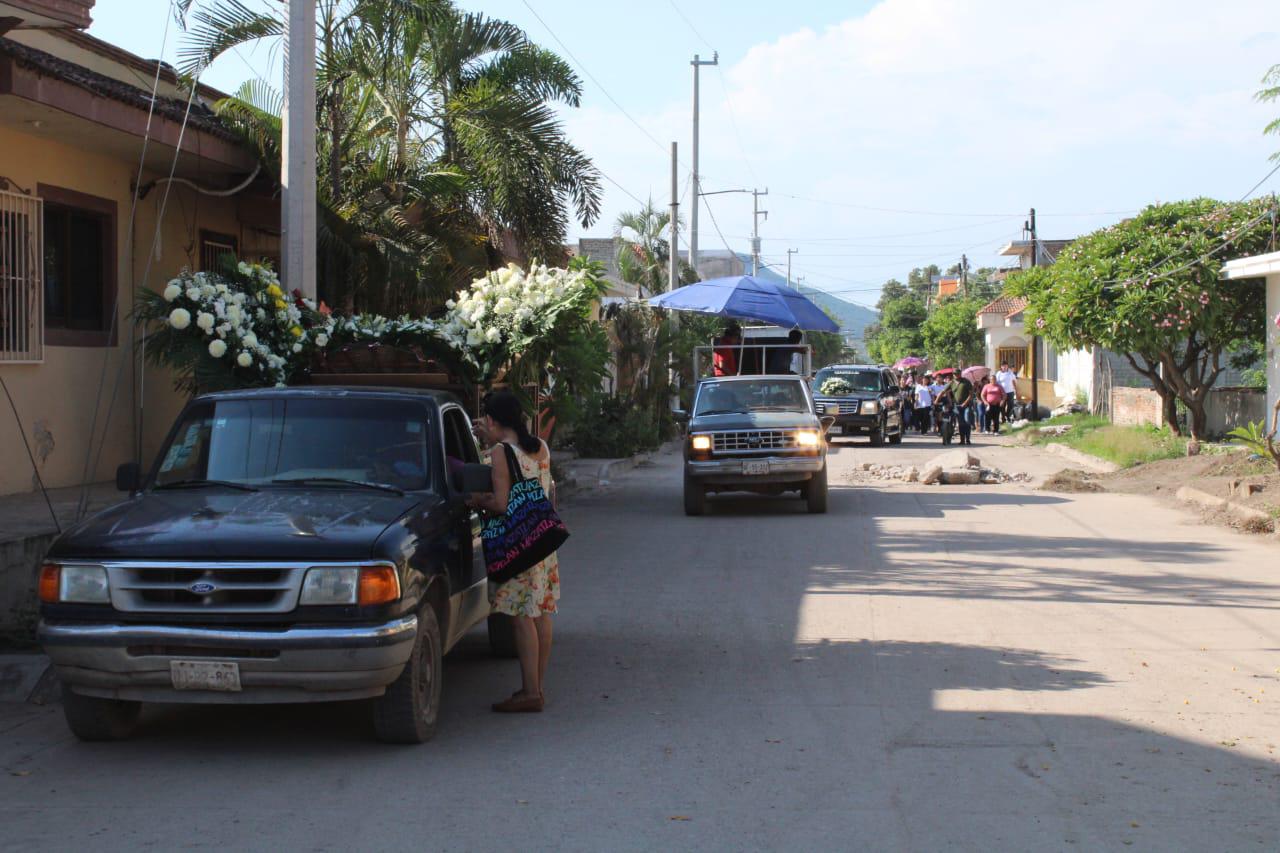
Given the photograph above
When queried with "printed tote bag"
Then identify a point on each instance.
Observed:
(527, 533)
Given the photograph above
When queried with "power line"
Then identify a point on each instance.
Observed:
(1261, 182)
(716, 225)
(688, 23)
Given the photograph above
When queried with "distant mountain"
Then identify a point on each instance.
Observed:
(853, 318)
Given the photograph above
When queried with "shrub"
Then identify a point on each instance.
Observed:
(607, 427)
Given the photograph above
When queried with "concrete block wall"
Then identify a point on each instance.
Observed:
(1228, 408)
(1136, 406)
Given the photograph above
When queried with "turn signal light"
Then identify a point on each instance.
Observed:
(378, 585)
(50, 580)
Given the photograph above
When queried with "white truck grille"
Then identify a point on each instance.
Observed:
(753, 440)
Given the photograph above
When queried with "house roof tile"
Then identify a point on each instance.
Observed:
(1005, 305)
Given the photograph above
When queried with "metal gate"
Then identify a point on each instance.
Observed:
(21, 279)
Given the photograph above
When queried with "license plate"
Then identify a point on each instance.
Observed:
(836, 430)
(752, 468)
(205, 675)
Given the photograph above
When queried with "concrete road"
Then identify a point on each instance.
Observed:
(923, 668)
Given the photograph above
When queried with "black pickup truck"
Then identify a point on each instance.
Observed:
(290, 545)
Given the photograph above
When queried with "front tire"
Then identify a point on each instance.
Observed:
(94, 719)
(695, 497)
(877, 435)
(502, 636)
(410, 709)
(815, 492)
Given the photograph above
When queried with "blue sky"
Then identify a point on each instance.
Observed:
(891, 133)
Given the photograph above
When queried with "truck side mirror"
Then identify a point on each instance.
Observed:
(129, 477)
(827, 422)
(681, 416)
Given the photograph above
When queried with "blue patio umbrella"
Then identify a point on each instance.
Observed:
(745, 297)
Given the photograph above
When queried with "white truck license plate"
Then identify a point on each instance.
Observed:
(205, 675)
(836, 430)
(755, 468)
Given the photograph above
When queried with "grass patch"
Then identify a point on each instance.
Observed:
(1126, 446)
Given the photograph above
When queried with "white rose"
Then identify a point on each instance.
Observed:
(234, 313)
(179, 318)
(505, 305)
(493, 336)
(322, 340)
(250, 339)
(450, 304)
(172, 292)
(217, 348)
(474, 339)
(205, 321)
(193, 293)
(244, 359)
(208, 290)
(297, 348)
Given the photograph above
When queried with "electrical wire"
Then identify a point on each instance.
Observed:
(688, 23)
(35, 469)
(716, 225)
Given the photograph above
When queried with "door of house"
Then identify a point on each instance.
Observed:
(1015, 357)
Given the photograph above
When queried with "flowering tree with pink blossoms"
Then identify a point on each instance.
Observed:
(1148, 288)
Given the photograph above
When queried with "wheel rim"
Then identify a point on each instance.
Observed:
(426, 677)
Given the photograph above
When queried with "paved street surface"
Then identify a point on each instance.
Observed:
(923, 668)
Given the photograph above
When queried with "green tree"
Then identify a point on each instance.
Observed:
(1148, 287)
(439, 147)
(899, 334)
(920, 281)
(951, 334)
(892, 289)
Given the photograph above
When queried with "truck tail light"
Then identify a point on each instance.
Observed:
(50, 580)
(378, 585)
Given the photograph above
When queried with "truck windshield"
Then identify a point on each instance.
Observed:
(858, 381)
(764, 395)
(330, 442)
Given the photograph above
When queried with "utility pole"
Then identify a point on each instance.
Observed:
(756, 213)
(298, 196)
(1035, 338)
(964, 276)
(697, 63)
(790, 252)
(673, 272)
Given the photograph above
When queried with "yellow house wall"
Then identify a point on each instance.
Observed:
(56, 399)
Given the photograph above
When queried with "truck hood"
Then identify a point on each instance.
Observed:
(754, 420)
(273, 524)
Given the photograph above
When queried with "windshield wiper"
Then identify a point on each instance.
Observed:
(196, 484)
(339, 481)
(719, 412)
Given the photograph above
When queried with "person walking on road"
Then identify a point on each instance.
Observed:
(924, 406)
(961, 391)
(529, 599)
(1008, 381)
(993, 395)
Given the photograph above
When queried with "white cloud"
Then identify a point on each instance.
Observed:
(988, 105)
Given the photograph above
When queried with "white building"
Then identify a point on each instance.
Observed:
(1268, 267)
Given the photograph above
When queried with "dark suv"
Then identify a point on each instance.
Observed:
(292, 545)
(867, 401)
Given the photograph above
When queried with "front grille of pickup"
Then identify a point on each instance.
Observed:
(204, 588)
(837, 407)
(746, 441)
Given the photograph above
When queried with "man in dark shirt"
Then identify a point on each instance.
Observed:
(961, 390)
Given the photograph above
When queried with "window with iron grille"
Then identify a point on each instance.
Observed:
(217, 251)
(21, 279)
(79, 268)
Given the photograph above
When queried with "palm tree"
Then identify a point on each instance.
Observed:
(438, 143)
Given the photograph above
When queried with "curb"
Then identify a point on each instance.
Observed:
(1189, 494)
(23, 677)
(1102, 466)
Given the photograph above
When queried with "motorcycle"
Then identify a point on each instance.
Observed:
(946, 420)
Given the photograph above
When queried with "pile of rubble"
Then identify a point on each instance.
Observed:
(959, 467)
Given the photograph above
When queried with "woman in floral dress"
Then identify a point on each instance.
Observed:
(530, 597)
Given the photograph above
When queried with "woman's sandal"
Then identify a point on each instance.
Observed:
(518, 704)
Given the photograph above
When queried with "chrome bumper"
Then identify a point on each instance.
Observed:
(303, 664)
(782, 469)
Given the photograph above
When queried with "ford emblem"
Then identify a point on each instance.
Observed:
(202, 587)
